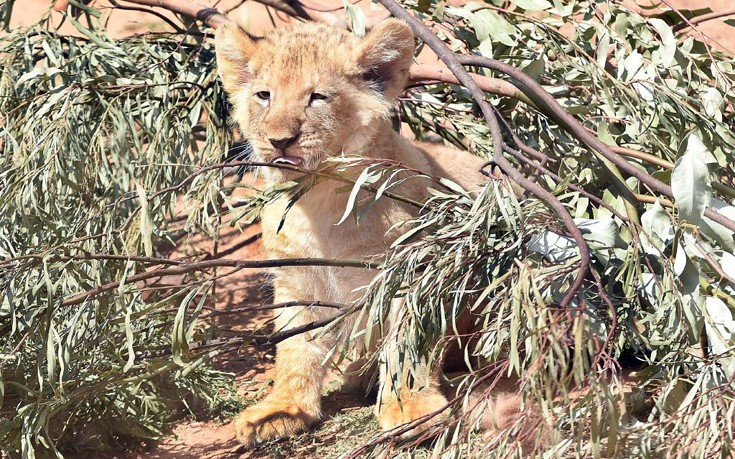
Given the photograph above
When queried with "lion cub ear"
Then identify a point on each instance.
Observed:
(385, 55)
(234, 49)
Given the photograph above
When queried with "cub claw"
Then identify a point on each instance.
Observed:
(270, 420)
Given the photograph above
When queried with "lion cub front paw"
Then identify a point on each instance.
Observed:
(271, 419)
(413, 406)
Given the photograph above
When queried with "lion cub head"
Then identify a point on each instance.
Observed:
(310, 91)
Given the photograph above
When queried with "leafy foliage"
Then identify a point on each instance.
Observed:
(99, 135)
(90, 129)
(663, 293)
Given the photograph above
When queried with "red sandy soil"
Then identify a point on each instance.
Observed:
(213, 439)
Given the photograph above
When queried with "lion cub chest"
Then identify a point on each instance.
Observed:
(312, 226)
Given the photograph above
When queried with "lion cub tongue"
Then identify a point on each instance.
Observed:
(294, 160)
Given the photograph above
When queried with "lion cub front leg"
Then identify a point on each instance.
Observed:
(294, 404)
(417, 395)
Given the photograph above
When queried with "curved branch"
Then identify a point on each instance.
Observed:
(423, 72)
(703, 18)
(145, 10)
(542, 98)
(185, 268)
(455, 65)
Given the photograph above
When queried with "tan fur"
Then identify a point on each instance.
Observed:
(360, 79)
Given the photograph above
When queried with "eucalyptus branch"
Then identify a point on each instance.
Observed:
(234, 248)
(257, 339)
(533, 90)
(454, 63)
(423, 72)
(209, 16)
(703, 18)
(185, 268)
(664, 164)
(590, 196)
(155, 13)
(397, 431)
(236, 164)
(275, 306)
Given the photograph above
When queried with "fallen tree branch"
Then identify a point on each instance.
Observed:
(424, 72)
(543, 99)
(210, 16)
(188, 267)
(703, 18)
(454, 63)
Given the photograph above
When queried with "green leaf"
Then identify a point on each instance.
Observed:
(666, 54)
(361, 180)
(602, 232)
(356, 18)
(553, 246)
(719, 233)
(658, 229)
(533, 5)
(699, 150)
(712, 103)
(720, 329)
(690, 185)
(727, 262)
(146, 222)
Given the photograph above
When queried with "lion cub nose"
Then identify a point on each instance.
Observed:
(283, 143)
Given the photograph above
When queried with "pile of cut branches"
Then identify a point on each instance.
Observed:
(606, 291)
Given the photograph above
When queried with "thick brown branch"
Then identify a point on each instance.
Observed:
(424, 72)
(543, 99)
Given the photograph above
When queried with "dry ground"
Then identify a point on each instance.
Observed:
(348, 417)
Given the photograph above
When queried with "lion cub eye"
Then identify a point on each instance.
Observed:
(263, 96)
(317, 96)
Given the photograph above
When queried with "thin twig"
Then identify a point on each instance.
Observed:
(209, 16)
(149, 11)
(244, 243)
(270, 307)
(257, 340)
(703, 18)
(184, 268)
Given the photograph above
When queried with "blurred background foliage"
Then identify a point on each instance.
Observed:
(105, 143)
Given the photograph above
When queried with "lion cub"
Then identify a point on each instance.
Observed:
(300, 95)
